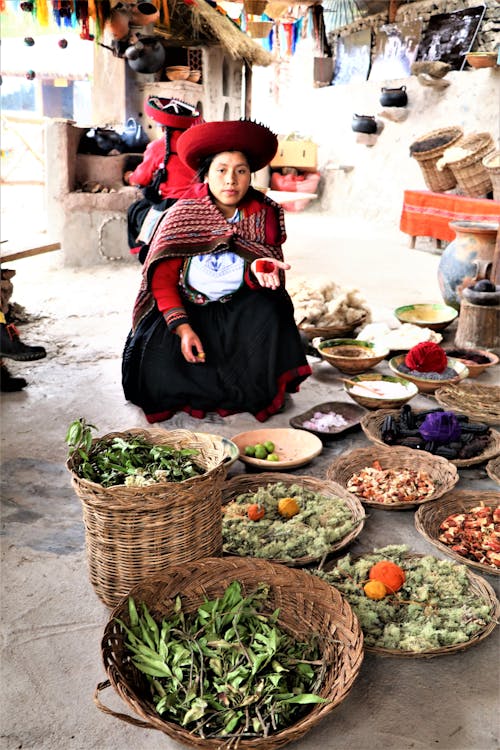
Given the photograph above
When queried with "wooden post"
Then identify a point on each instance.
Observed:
(248, 89)
(478, 326)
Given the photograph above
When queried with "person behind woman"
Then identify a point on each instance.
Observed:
(213, 326)
(161, 173)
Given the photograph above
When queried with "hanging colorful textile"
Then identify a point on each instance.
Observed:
(42, 12)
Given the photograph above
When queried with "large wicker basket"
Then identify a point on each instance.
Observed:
(492, 164)
(473, 179)
(306, 606)
(371, 425)
(478, 402)
(429, 518)
(135, 532)
(241, 484)
(442, 473)
(436, 180)
(482, 590)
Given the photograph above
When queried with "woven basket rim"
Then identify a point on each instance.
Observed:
(410, 458)
(83, 486)
(370, 426)
(427, 520)
(489, 157)
(482, 143)
(486, 395)
(334, 488)
(331, 331)
(493, 469)
(207, 575)
(482, 588)
(438, 150)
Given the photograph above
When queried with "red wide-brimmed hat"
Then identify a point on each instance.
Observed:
(254, 140)
(173, 113)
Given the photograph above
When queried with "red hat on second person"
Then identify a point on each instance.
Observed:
(173, 113)
(256, 141)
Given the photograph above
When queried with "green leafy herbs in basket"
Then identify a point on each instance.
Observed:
(275, 535)
(227, 669)
(433, 609)
(130, 462)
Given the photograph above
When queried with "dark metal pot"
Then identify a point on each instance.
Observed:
(364, 124)
(147, 55)
(394, 97)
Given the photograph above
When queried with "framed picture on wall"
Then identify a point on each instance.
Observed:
(449, 36)
(395, 50)
(352, 57)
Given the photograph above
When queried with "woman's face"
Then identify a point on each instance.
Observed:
(228, 178)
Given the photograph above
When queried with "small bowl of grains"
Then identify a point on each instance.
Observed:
(374, 391)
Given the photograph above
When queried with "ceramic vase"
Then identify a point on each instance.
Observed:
(466, 259)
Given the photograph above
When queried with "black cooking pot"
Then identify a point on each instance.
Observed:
(364, 124)
(147, 55)
(393, 97)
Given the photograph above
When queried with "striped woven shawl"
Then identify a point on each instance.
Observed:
(195, 226)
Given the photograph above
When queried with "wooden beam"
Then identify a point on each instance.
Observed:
(16, 255)
(248, 89)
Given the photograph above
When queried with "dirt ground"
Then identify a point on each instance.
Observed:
(52, 620)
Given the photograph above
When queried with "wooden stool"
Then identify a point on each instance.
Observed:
(478, 326)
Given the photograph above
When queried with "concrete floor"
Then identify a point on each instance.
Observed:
(52, 621)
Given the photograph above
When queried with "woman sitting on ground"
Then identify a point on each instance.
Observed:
(213, 326)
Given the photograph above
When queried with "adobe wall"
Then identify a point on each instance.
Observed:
(374, 178)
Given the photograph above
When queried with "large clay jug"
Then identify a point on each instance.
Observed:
(467, 258)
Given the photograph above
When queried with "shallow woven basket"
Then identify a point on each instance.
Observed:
(306, 605)
(241, 484)
(135, 532)
(473, 179)
(493, 469)
(483, 590)
(259, 29)
(437, 180)
(492, 164)
(428, 519)
(442, 472)
(371, 425)
(478, 402)
(330, 332)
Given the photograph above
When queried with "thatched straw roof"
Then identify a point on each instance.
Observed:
(199, 23)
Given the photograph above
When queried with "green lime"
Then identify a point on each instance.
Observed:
(269, 446)
(273, 457)
(250, 450)
(260, 451)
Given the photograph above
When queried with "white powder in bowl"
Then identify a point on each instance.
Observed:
(381, 389)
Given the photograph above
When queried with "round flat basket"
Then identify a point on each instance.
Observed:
(429, 518)
(493, 469)
(480, 402)
(330, 332)
(242, 484)
(428, 149)
(307, 606)
(478, 589)
(133, 532)
(441, 472)
(371, 424)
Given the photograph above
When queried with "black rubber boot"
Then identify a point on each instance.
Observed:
(12, 347)
(8, 383)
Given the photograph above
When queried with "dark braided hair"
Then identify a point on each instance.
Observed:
(162, 172)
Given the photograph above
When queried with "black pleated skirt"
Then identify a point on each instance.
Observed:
(253, 356)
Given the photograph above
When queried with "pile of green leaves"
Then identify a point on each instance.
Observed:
(131, 462)
(226, 670)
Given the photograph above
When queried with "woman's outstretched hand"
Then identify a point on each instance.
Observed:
(191, 346)
(266, 271)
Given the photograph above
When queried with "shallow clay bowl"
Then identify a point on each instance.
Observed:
(425, 385)
(437, 316)
(351, 355)
(350, 412)
(475, 368)
(481, 59)
(380, 402)
(293, 447)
